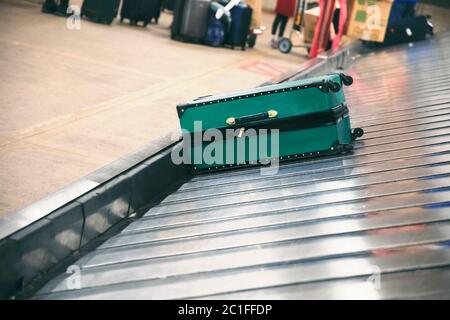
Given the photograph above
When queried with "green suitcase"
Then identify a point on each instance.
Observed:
(291, 120)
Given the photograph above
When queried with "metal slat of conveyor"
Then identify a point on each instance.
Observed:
(316, 229)
(134, 252)
(404, 109)
(230, 239)
(422, 284)
(273, 253)
(416, 111)
(381, 153)
(430, 96)
(290, 219)
(399, 120)
(380, 85)
(439, 80)
(313, 168)
(362, 177)
(235, 277)
(378, 99)
(317, 194)
(285, 181)
(408, 130)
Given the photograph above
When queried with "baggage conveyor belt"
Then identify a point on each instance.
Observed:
(374, 224)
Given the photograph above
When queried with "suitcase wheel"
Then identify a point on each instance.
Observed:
(251, 40)
(334, 86)
(357, 133)
(347, 80)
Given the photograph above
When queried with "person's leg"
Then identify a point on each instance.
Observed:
(283, 22)
(276, 22)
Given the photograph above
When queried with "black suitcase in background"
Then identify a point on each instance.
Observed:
(140, 10)
(407, 30)
(168, 4)
(190, 22)
(103, 11)
(177, 19)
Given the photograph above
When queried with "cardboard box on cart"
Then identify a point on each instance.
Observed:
(310, 21)
(368, 19)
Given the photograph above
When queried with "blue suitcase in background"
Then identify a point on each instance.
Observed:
(215, 36)
(241, 16)
(217, 28)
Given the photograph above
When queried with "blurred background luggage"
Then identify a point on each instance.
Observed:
(100, 11)
(409, 29)
(241, 17)
(217, 27)
(190, 22)
(140, 11)
(168, 4)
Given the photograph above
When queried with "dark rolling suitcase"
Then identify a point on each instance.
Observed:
(190, 20)
(241, 16)
(292, 120)
(168, 4)
(100, 11)
(177, 19)
(140, 10)
(406, 30)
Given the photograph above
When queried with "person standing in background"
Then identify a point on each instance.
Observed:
(284, 10)
(256, 6)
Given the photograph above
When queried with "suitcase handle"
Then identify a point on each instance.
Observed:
(231, 121)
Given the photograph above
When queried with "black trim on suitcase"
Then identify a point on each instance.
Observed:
(325, 86)
(335, 148)
(307, 121)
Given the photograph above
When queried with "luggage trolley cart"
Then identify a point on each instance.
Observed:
(285, 44)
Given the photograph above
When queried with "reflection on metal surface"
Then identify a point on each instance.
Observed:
(374, 224)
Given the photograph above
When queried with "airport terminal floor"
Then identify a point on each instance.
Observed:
(76, 100)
